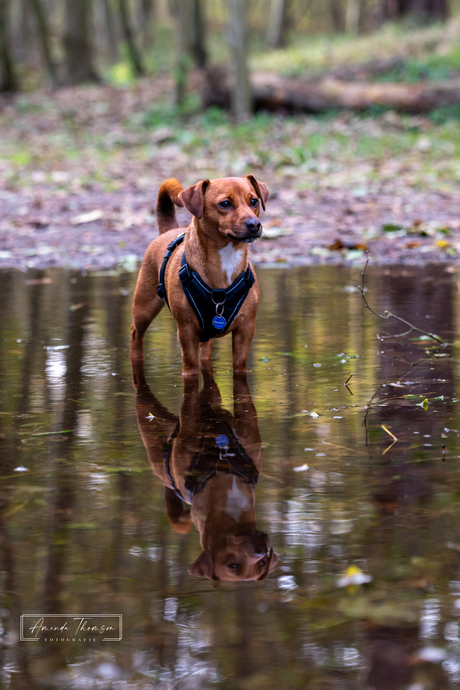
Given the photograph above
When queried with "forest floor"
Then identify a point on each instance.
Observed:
(80, 171)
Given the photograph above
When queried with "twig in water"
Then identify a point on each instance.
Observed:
(388, 315)
(347, 386)
(392, 436)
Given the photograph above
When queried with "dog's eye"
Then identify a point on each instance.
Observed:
(225, 204)
(263, 562)
(254, 202)
(233, 566)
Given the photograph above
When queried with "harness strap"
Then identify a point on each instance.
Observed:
(207, 302)
(161, 289)
(215, 309)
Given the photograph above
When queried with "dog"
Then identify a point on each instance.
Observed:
(203, 273)
(209, 461)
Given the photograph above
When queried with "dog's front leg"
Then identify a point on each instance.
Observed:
(188, 341)
(241, 341)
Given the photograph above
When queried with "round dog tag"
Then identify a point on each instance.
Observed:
(219, 322)
(221, 441)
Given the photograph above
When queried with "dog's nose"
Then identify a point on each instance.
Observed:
(260, 550)
(253, 225)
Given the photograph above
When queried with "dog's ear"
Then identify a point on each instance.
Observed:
(203, 566)
(193, 198)
(261, 189)
(272, 560)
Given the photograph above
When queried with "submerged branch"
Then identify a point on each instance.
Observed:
(389, 315)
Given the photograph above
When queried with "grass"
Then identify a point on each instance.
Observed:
(427, 53)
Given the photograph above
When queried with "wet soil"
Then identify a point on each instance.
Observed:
(97, 230)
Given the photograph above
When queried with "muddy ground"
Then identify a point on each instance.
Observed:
(80, 171)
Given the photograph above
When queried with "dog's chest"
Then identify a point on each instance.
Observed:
(237, 502)
(230, 260)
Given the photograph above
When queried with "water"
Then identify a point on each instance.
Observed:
(87, 527)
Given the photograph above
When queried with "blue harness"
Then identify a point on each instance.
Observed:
(215, 309)
(220, 453)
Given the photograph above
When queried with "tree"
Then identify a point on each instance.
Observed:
(423, 10)
(352, 16)
(45, 42)
(197, 38)
(240, 86)
(277, 24)
(77, 42)
(134, 55)
(110, 32)
(8, 80)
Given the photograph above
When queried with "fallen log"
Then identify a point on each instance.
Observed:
(331, 94)
(274, 93)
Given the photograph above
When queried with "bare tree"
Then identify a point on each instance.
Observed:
(77, 42)
(352, 16)
(423, 10)
(133, 52)
(277, 24)
(43, 35)
(181, 10)
(198, 35)
(147, 10)
(240, 86)
(110, 32)
(8, 80)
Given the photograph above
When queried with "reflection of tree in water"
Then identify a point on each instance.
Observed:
(403, 475)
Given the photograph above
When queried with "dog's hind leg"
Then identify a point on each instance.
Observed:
(143, 315)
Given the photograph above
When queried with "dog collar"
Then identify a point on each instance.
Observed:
(215, 309)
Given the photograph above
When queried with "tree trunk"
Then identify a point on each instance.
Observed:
(337, 16)
(424, 10)
(277, 24)
(183, 17)
(45, 42)
(352, 16)
(198, 36)
(77, 42)
(147, 12)
(134, 55)
(8, 80)
(24, 32)
(110, 32)
(239, 75)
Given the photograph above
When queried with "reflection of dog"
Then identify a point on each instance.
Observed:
(208, 282)
(210, 460)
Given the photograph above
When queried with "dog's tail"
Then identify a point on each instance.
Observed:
(168, 199)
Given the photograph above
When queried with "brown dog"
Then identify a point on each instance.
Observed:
(225, 220)
(209, 461)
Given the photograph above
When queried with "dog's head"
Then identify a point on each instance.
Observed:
(237, 557)
(229, 205)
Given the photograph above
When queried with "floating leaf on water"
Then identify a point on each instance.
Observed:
(150, 416)
(301, 468)
(316, 364)
(353, 576)
(434, 655)
(264, 359)
(314, 415)
(424, 404)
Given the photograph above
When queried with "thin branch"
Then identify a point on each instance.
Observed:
(388, 315)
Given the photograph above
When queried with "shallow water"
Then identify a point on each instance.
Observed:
(87, 527)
